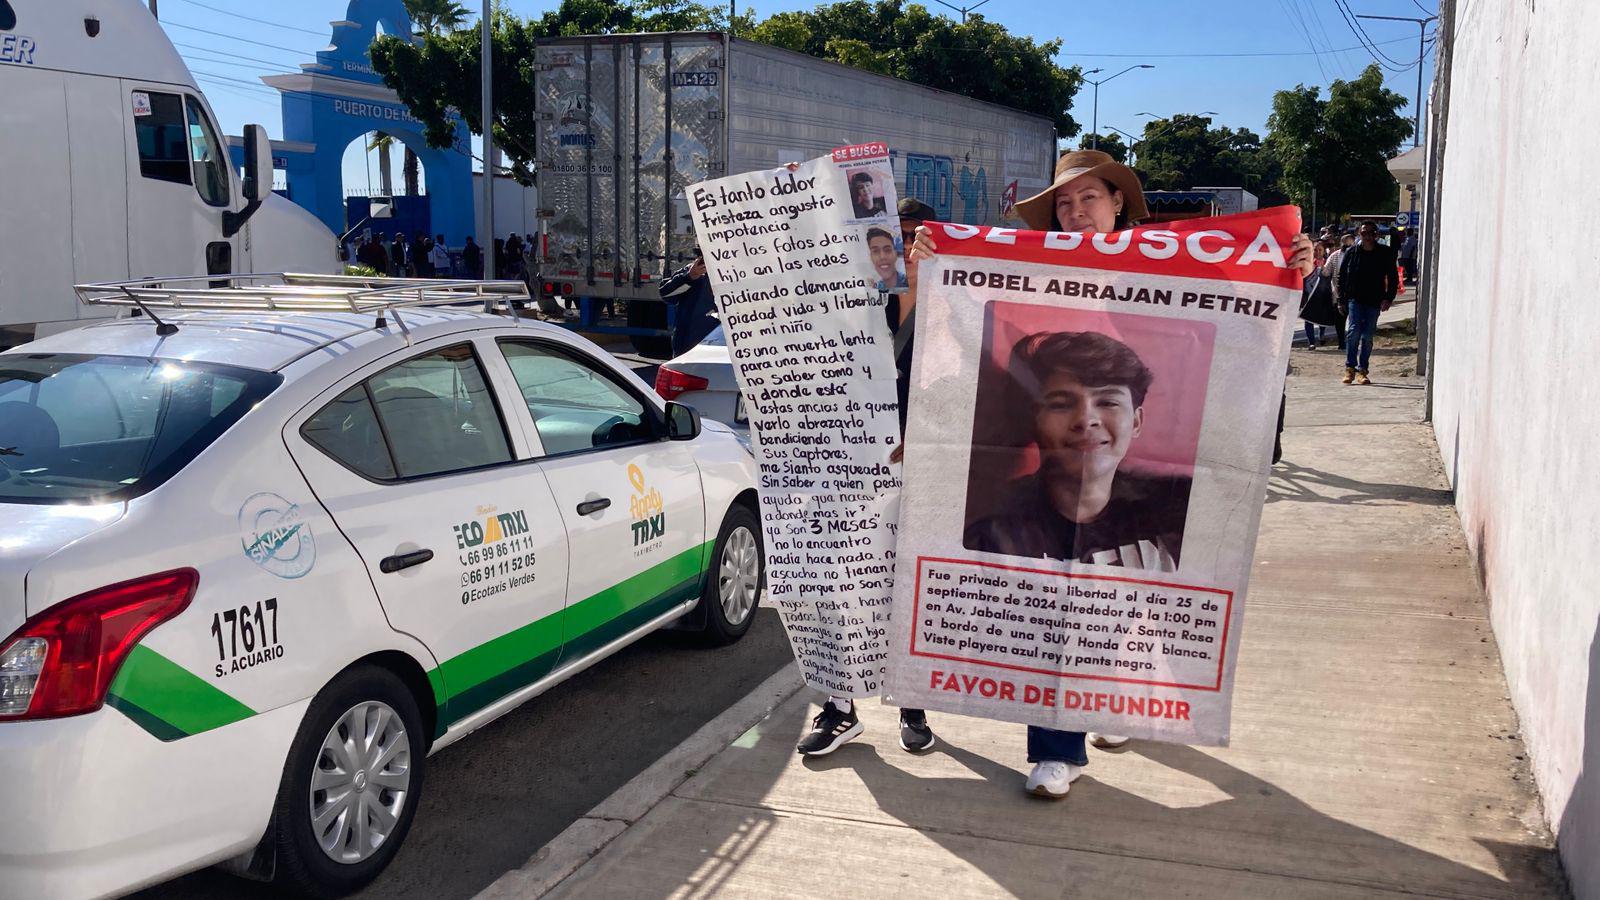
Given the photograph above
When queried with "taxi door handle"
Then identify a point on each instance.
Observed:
(593, 506)
(404, 560)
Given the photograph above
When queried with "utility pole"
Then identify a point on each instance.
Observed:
(1422, 32)
(486, 236)
(962, 9)
(1094, 131)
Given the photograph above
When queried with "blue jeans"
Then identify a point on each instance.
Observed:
(1363, 325)
(1047, 744)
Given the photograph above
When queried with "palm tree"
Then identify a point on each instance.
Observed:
(381, 143)
(429, 17)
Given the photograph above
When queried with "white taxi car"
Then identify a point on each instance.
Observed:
(256, 564)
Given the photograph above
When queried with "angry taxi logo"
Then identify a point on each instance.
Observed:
(645, 506)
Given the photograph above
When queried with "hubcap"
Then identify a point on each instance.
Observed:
(739, 575)
(361, 783)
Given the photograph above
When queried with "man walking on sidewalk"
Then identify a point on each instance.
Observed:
(1368, 281)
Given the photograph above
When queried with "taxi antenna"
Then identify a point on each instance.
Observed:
(163, 329)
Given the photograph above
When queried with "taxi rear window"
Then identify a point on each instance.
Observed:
(78, 427)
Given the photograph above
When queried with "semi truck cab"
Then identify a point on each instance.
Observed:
(112, 167)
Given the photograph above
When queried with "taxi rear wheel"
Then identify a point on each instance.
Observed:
(351, 785)
(738, 573)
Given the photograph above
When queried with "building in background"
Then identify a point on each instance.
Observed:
(1508, 286)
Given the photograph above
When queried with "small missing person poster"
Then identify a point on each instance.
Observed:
(1090, 432)
(794, 258)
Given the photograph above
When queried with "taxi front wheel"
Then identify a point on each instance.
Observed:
(733, 586)
(351, 784)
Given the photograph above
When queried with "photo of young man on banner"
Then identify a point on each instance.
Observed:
(1100, 400)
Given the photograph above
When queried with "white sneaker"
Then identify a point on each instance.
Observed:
(1052, 778)
(1109, 741)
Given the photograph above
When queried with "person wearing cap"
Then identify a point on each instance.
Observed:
(1091, 193)
(838, 722)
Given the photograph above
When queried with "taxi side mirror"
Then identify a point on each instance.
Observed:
(683, 422)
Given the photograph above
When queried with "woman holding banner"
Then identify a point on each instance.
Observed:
(1091, 193)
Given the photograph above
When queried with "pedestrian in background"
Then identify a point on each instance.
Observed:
(689, 290)
(397, 256)
(372, 255)
(438, 257)
(1408, 255)
(472, 259)
(418, 251)
(1316, 302)
(1369, 278)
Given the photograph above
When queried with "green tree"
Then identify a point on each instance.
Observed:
(1185, 151)
(977, 58)
(434, 16)
(1339, 146)
(439, 76)
(1110, 144)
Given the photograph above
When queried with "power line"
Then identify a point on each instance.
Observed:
(228, 53)
(1293, 14)
(242, 65)
(1230, 55)
(171, 24)
(1379, 56)
(1343, 61)
(229, 12)
(253, 85)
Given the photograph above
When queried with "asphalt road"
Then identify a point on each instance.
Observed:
(496, 797)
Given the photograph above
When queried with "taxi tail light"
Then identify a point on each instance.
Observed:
(671, 384)
(61, 661)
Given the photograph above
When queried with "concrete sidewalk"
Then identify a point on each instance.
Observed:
(1374, 750)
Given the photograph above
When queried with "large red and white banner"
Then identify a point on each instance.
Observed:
(1091, 427)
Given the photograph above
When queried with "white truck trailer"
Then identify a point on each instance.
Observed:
(112, 167)
(628, 121)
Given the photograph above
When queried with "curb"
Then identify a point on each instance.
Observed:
(586, 837)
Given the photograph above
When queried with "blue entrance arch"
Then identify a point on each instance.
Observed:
(339, 98)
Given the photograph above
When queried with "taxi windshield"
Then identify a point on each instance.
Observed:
(79, 427)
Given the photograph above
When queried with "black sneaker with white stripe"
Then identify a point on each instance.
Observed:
(830, 730)
(915, 735)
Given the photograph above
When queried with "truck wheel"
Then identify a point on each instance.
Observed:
(649, 314)
(351, 785)
(738, 573)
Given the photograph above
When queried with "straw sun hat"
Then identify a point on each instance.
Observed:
(1039, 210)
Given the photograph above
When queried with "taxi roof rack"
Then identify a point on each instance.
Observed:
(281, 292)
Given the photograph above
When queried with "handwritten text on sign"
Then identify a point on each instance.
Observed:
(804, 317)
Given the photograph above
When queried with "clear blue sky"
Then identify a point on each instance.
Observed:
(1191, 45)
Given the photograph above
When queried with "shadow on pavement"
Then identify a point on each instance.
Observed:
(1257, 830)
(1293, 481)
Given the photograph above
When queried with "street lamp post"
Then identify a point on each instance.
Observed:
(1131, 141)
(1094, 134)
(962, 9)
(1422, 50)
(487, 234)
(1170, 123)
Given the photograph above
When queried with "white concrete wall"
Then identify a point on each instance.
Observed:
(1517, 375)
